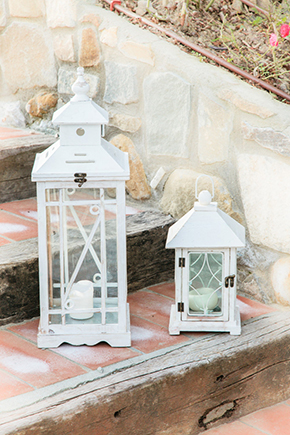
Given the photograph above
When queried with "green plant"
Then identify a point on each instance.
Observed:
(257, 21)
(242, 39)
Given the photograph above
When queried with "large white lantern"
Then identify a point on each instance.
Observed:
(82, 235)
(205, 242)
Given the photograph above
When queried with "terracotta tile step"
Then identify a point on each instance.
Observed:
(18, 219)
(162, 384)
(274, 420)
(24, 367)
(11, 133)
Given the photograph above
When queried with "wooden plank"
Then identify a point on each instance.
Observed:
(148, 262)
(188, 389)
(16, 145)
(19, 290)
(16, 160)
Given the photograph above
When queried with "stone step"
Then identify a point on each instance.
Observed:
(148, 263)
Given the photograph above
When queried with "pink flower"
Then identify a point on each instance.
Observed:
(273, 40)
(284, 30)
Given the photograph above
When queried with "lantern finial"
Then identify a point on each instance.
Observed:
(196, 185)
(80, 87)
(204, 197)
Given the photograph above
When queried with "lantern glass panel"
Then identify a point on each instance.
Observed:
(82, 255)
(205, 283)
(53, 249)
(111, 256)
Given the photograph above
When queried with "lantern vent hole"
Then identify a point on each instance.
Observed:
(80, 131)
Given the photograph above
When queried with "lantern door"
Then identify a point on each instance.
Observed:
(203, 285)
(83, 283)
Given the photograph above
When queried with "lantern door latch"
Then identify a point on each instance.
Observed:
(230, 281)
(180, 307)
(80, 178)
(181, 262)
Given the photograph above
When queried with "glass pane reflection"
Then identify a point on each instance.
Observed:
(205, 283)
(82, 255)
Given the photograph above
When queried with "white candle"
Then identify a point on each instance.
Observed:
(81, 298)
(202, 299)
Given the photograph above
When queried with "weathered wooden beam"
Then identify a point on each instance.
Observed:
(185, 390)
(147, 259)
(16, 160)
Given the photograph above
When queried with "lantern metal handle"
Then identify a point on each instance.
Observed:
(196, 184)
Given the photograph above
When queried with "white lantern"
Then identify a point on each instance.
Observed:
(205, 242)
(82, 235)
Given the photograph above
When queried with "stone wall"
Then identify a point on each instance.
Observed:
(170, 110)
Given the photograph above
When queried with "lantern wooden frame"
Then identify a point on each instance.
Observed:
(80, 180)
(205, 231)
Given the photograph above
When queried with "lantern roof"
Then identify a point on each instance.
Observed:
(81, 150)
(80, 112)
(80, 109)
(206, 226)
(105, 162)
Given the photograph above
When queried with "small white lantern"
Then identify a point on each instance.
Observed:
(82, 235)
(205, 242)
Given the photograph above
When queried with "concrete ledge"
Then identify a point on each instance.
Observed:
(147, 259)
(16, 161)
(181, 390)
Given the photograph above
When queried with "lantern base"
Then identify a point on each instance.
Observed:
(176, 325)
(54, 339)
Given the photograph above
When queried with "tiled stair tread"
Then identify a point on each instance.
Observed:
(10, 133)
(274, 420)
(18, 233)
(201, 354)
(18, 223)
(150, 310)
(20, 144)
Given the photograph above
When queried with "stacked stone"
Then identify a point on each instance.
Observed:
(168, 110)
